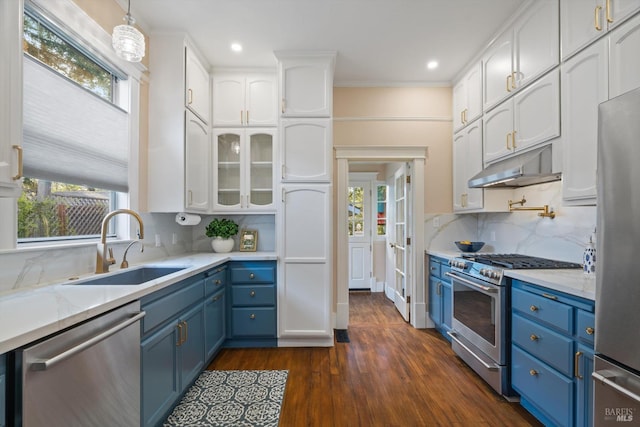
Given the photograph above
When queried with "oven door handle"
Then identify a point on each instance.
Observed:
(470, 283)
(454, 337)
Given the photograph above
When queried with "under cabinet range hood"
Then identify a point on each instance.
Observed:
(533, 167)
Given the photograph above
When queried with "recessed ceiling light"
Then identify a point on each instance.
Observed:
(432, 65)
(236, 47)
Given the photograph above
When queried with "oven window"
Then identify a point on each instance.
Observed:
(476, 311)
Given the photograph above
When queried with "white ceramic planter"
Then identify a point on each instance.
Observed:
(221, 245)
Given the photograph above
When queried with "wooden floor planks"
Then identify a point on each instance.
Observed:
(390, 374)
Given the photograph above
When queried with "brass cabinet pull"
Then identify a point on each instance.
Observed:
(190, 100)
(241, 122)
(608, 11)
(462, 116)
(18, 148)
(252, 293)
(596, 18)
(216, 298)
(190, 197)
(252, 276)
(247, 115)
(438, 288)
(186, 331)
(513, 80)
(534, 337)
(576, 365)
(179, 326)
(589, 330)
(553, 297)
(218, 282)
(533, 308)
(509, 135)
(283, 104)
(433, 269)
(252, 316)
(533, 372)
(513, 139)
(510, 76)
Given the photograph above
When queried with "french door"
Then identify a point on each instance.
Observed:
(401, 245)
(359, 218)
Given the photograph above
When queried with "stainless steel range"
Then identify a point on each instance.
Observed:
(481, 317)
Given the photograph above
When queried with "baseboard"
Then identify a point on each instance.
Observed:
(306, 342)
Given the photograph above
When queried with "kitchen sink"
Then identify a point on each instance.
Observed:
(135, 276)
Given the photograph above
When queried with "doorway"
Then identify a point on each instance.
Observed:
(360, 229)
(412, 290)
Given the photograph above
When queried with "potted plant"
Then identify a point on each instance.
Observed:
(222, 230)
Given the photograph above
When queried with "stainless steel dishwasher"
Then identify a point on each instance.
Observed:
(88, 375)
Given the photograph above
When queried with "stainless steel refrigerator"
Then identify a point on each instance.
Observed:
(617, 341)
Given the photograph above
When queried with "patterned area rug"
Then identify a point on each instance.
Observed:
(231, 398)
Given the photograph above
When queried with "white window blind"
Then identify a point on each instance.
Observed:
(71, 135)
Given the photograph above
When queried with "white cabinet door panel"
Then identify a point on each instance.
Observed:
(622, 9)
(584, 86)
(497, 68)
(305, 304)
(307, 87)
(536, 37)
(197, 164)
(306, 150)
(260, 101)
(536, 112)
(197, 81)
(497, 132)
(306, 222)
(578, 24)
(228, 99)
(624, 58)
(467, 161)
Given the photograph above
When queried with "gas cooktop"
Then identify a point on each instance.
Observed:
(518, 262)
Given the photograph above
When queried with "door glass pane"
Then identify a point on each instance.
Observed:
(261, 169)
(381, 203)
(228, 169)
(356, 211)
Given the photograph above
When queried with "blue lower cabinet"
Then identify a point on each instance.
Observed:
(214, 323)
(3, 392)
(252, 305)
(440, 295)
(552, 354)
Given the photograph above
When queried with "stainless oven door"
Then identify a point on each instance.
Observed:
(478, 314)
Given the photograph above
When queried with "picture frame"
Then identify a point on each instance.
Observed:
(248, 240)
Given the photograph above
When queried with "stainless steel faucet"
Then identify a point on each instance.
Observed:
(102, 260)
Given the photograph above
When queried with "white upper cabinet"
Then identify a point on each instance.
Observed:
(583, 21)
(243, 169)
(11, 99)
(497, 71)
(467, 161)
(529, 118)
(306, 85)
(306, 150)
(624, 58)
(536, 46)
(584, 85)
(244, 99)
(522, 53)
(197, 156)
(197, 86)
(467, 98)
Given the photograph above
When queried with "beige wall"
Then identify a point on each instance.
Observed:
(108, 14)
(418, 116)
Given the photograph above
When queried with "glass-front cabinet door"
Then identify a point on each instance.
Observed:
(244, 169)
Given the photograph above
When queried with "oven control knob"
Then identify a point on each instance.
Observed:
(495, 275)
(483, 271)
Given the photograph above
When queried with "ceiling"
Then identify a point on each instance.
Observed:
(379, 42)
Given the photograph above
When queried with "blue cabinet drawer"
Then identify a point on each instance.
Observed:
(444, 269)
(263, 274)
(543, 343)
(253, 322)
(253, 295)
(550, 391)
(585, 325)
(434, 267)
(215, 281)
(169, 306)
(546, 310)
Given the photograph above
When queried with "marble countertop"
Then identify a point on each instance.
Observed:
(570, 281)
(31, 314)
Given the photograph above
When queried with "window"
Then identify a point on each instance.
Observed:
(356, 212)
(381, 210)
(75, 135)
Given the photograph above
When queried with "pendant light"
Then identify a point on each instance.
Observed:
(127, 41)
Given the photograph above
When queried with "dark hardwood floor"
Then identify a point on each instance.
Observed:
(390, 374)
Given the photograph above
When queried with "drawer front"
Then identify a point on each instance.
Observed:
(585, 325)
(546, 310)
(266, 274)
(253, 295)
(549, 391)
(253, 322)
(444, 269)
(543, 343)
(169, 306)
(215, 282)
(434, 267)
